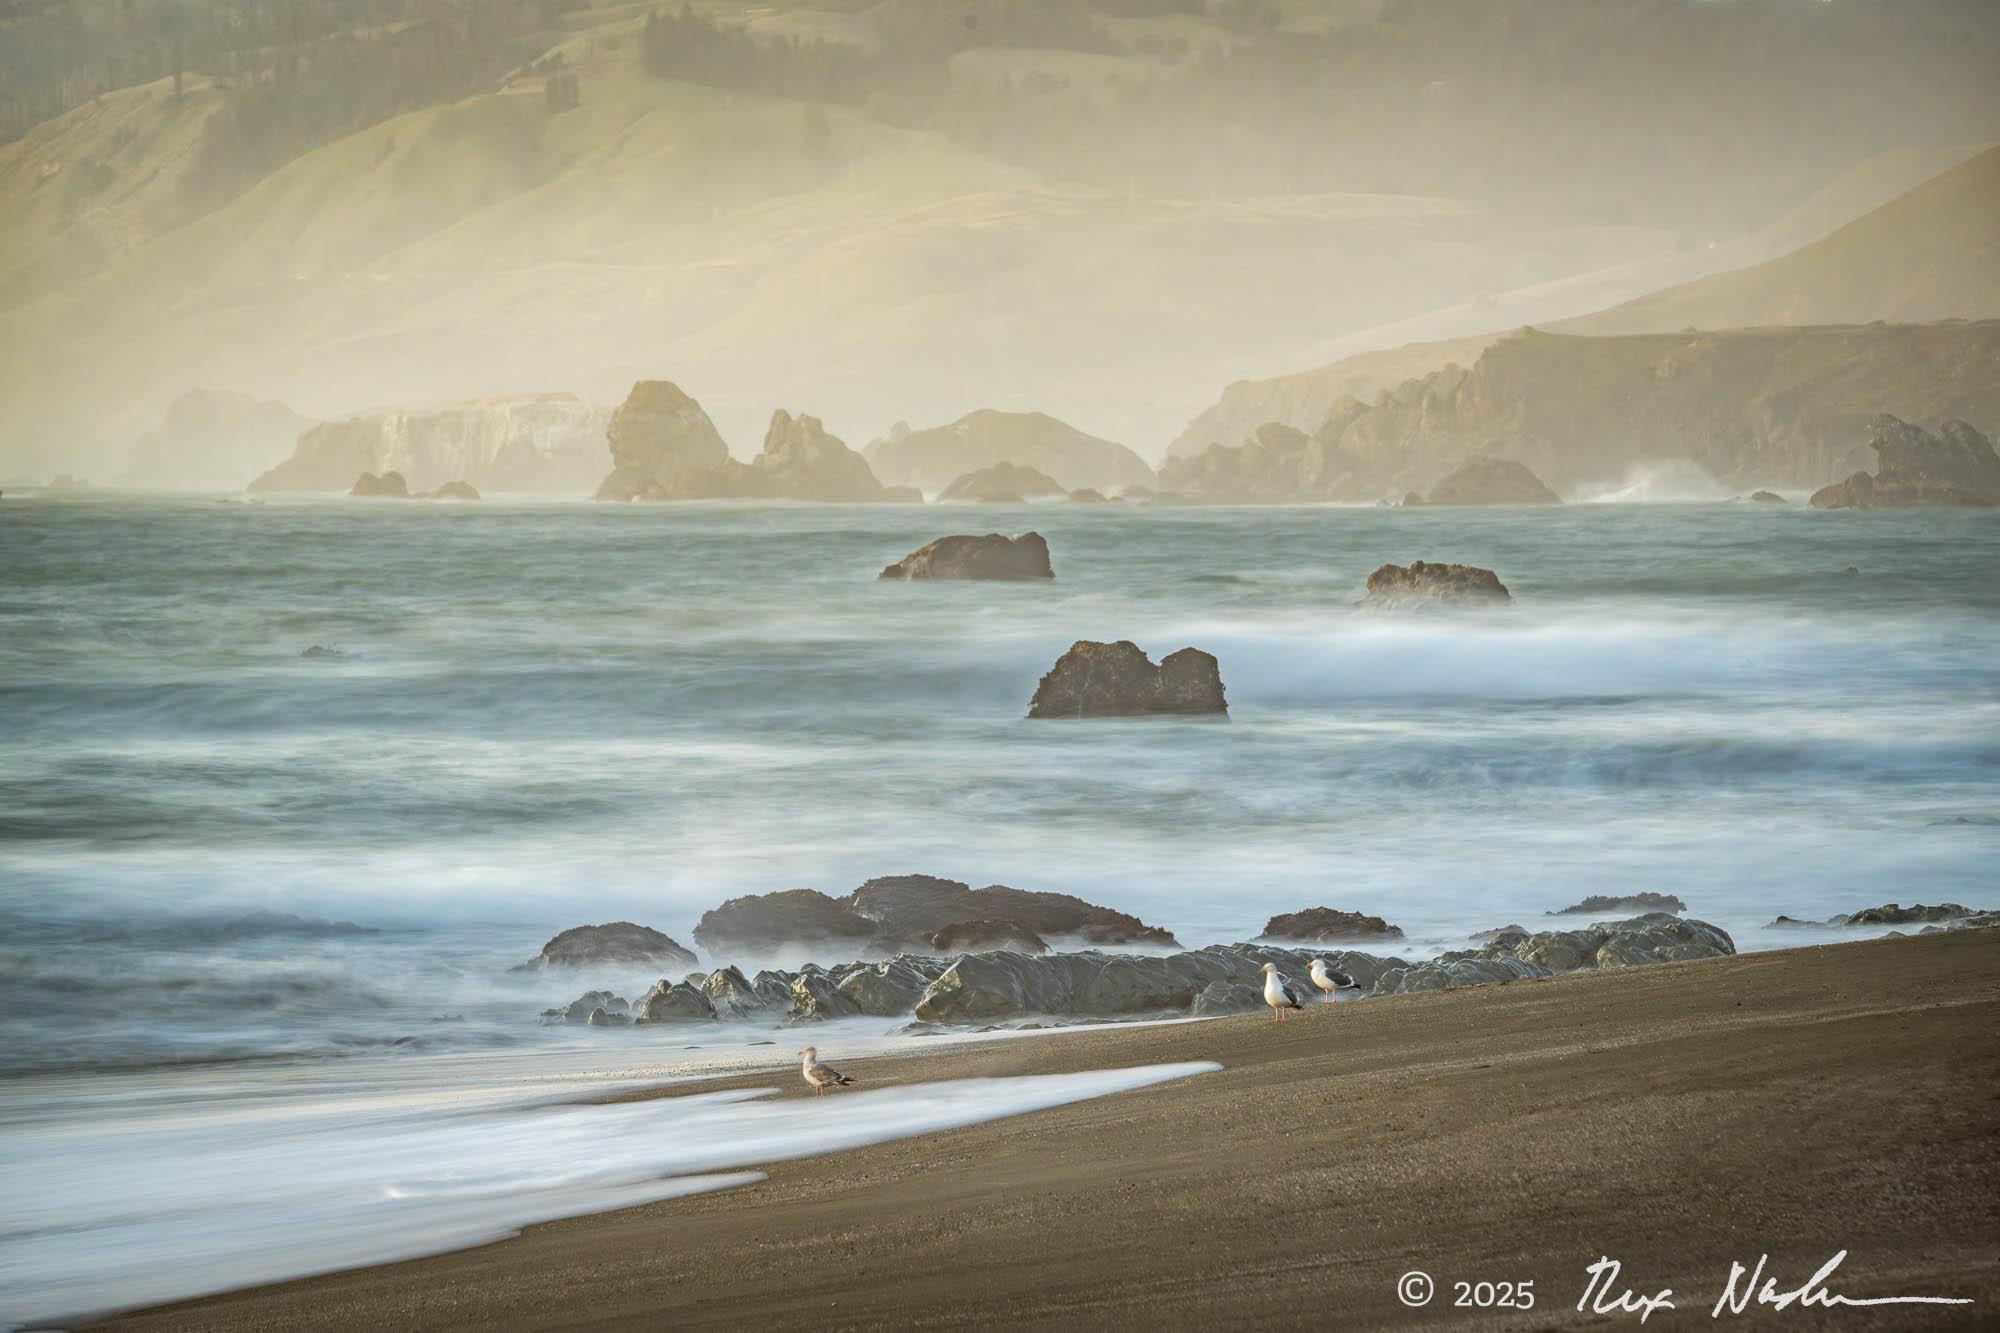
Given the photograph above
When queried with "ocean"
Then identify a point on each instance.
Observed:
(465, 727)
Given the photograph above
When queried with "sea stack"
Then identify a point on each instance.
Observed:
(994, 556)
(1119, 680)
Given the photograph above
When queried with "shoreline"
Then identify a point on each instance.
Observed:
(1678, 1117)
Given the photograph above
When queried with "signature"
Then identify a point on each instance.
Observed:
(1603, 1292)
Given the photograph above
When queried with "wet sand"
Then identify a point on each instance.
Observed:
(1676, 1118)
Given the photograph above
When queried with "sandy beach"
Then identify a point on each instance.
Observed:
(1678, 1119)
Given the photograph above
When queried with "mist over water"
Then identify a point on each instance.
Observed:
(544, 714)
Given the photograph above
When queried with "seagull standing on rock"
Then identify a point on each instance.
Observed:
(1330, 980)
(820, 1076)
(1278, 994)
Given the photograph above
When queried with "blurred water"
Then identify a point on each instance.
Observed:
(543, 714)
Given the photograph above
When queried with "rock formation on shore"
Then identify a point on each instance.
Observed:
(1957, 466)
(615, 943)
(210, 440)
(964, 557)
(903, 913)
(1895, 914)
(542, 442)
(1002, 483)
(1119, 680)
(931, 459)
(390, 485)
(1426, 584)
(1647, 901)
(1748, 406)
(656, 434)
(1320, 925)
(1491, 481)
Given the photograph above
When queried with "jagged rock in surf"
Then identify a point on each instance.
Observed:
(674, 1002)
(1423, 583)
(615, 943)
(1955, 467)
(993, 556)
(1118, 680)
(1646, 901)
(1318, 925)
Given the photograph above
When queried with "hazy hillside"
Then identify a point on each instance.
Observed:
(932, 459)
(1932, 252)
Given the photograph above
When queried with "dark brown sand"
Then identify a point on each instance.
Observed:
(1676, 1118)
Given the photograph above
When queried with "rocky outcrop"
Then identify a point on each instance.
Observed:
(993, 556)
(804, 462)
(904, 913)
(211, 441)
(1087, 495)
(1955, 467)
(598, 1007)
(453, 490)
(1599, 904)
(546, 443)
(674, 1002)
(1320, 925)
(986, 937)
(1894, 914)
(1773, 406)
(1001, 483)
(1422, 584)
(931, 459)
(656, 434)
(1491, 481)
(800, 461)
(1119, 680)
(1277, 464)
(1767, 498)
(614, 944)
(390, 485)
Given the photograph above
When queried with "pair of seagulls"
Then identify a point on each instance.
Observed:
(1278, 992)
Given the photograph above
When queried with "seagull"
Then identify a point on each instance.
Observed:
(1330, 980)
(1277, 994)
(820, 1076)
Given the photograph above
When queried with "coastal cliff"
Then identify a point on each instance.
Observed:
(537, 442)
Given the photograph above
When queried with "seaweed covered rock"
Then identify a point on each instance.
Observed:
(1427, 584)
(1118, 680)
(993, 556)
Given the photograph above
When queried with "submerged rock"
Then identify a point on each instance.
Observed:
(1424, 583)
(1491, 481)
(1625, 902)
(993, 556)
(1119, 680)
(987, 936)
(390, 485)
(1321, 924)
(614, 943)
(1002, 483)
(1957, 466)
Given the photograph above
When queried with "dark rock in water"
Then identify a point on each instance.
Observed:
(990, 557)
(1913, 467)
(1894, 914)
(732, 994)
(673, 1002)
(267, 925)
(1087, 495)
(885, 991)
(614, 943)
(1317, 925)
(765, 921)
(389, 485)
(1119, 680)
(655, 435)
(903, 913)
(1975, 921)
(1767, 497)
(583, 1007)
(453, 490)
(1492, 481)
(1411, 500)
(1427, 584)
(1508, 935)
(1002, 483)
(322, 650)
(817, 996)
(1624, 902)
(986, 937)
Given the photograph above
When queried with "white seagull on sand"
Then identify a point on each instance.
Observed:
(820, 1076)
(1330, 980)
(1277, 994)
